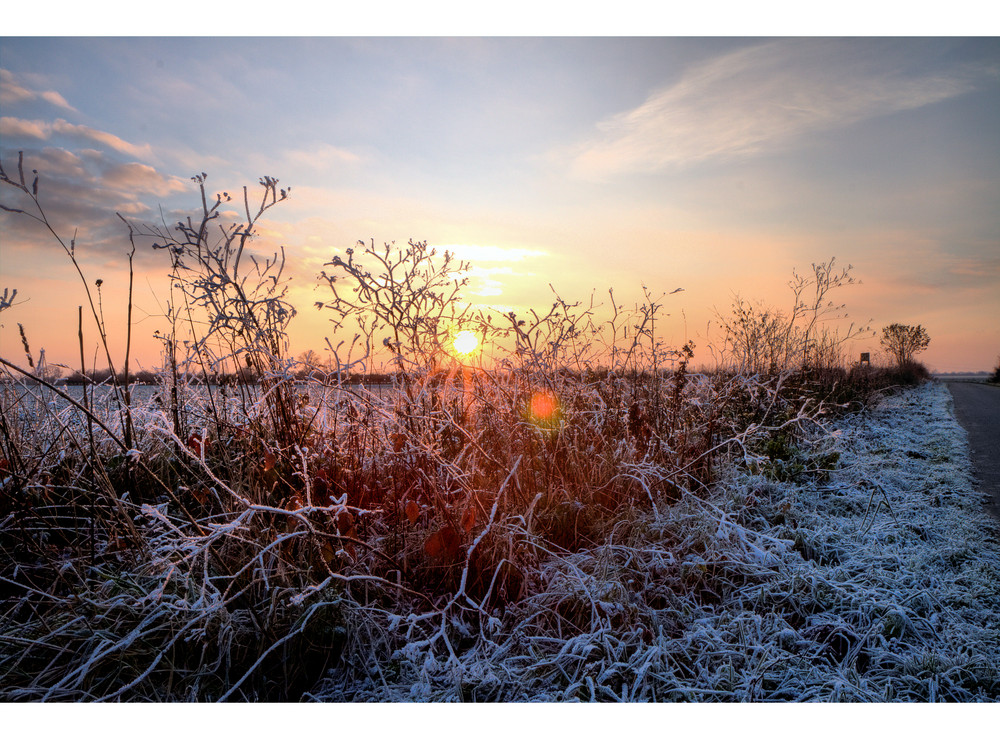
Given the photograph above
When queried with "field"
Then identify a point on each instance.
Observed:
(855, 564)
(576, 513)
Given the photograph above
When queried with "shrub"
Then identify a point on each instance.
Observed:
(764, 340)
(902, 342)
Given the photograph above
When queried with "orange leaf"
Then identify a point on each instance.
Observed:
(398, 440)
(443, 543)
(412, 511)
(269, 460)
(195, 443)
(433, 545)
(345, 524)
(469, 518)
(321, 488)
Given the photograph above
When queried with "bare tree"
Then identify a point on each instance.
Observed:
(308, 362)
(409, 295)
(902, 341)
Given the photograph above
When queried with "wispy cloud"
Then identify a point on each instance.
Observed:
(13, 90)
(756, 100)
(141, 178)
(479, 253)
(11, 127)
(86, 133)
(82, 191)
(322, 157)
(490, 272)
(44, 130)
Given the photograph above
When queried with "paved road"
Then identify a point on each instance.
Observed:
(977, 407)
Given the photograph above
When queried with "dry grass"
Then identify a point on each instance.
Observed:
(583, 517)
(433, 521)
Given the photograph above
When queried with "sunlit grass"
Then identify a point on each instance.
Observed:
(583, 518)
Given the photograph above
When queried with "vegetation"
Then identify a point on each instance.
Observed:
(902, 342)
(240, 539)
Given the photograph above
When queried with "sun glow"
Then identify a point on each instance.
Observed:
(543, 410)
(544, 406)
(465, 342)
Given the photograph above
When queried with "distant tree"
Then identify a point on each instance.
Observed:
(902, 342)
(310, 358)
(308, 361)
(145, 377)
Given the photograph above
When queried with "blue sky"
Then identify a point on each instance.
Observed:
(712, 164)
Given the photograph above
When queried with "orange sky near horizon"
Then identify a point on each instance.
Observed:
(716, 165)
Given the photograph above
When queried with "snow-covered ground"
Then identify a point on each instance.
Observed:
(880, 582)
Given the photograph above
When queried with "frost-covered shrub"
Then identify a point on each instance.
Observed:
(584, 517)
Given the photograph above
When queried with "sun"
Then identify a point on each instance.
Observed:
(465, 342)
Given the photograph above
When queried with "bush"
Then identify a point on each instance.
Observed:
(902, 342)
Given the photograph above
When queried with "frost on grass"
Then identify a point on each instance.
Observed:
(879, 582)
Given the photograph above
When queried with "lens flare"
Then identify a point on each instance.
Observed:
(543, 406)
(465, 342)
(544, 410)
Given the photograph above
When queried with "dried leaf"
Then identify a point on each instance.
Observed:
(269, 460)
(398, 441)
(443, 543)
(198, 444)
(412, 511)
(469, 518)
(345, 524)
(434, 544)
(329, 551)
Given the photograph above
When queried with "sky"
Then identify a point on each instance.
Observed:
(716, 164)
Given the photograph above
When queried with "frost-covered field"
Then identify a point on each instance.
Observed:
(881, 583)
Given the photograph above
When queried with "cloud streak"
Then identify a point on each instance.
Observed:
(44, 130)
(82, 191)
(12, 91)
(756, 100)
(322, 157)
